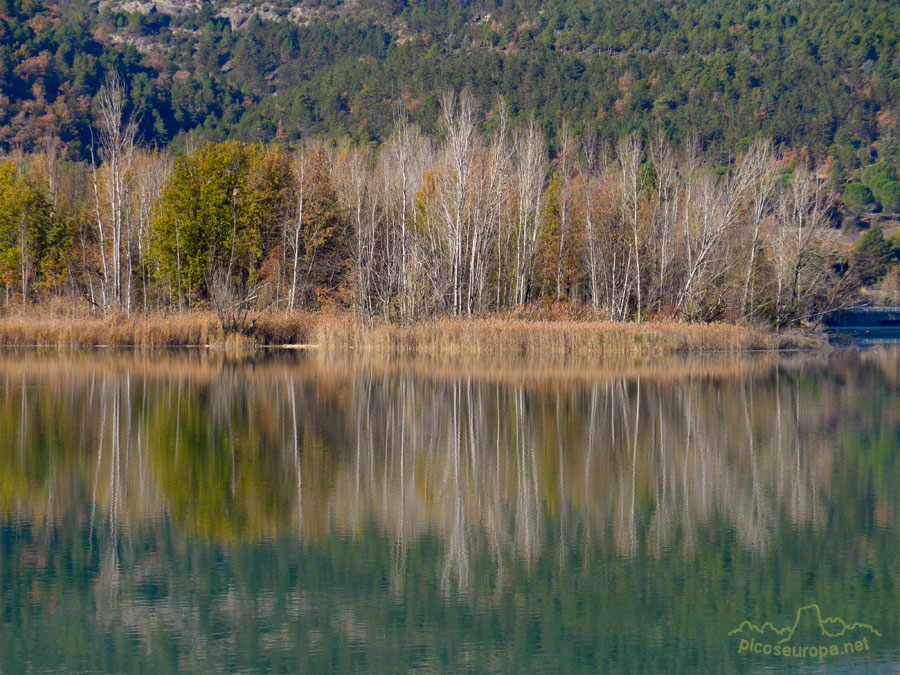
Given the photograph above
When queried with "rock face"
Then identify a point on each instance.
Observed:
(236, 11)
(171, 7)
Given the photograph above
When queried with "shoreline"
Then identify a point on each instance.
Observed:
(500, 335)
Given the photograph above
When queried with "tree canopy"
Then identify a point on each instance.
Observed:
(818, 74)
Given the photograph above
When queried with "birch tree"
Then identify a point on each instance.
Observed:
(711, 210)
(404, 160)
(564, 170)
(586, 169)
(489, 198)
(666, 205)
(301, 187)
(529, 166)
(150, 176)
(629, 152)
(758, 162)
(117, 135)
(353, 183)
(802, 248)
(458, 123)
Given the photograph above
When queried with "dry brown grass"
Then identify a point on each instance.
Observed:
(154, 330)
(342, 333)
(538, 338)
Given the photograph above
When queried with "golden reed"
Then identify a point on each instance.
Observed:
(343, 333)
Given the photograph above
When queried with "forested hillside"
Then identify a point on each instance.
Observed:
(822, 74)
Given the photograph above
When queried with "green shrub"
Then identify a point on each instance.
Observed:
(872, 256)
(857, 196)
(887, 193)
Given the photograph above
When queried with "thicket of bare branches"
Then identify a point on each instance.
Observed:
(468, 223)
(458, 228)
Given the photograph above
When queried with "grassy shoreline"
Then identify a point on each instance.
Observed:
(343, 333)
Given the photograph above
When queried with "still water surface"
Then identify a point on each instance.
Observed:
(187, 512)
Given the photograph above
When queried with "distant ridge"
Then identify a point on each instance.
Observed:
(828, 626)
(818, 77)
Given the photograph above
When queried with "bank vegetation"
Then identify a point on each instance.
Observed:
(353, 245)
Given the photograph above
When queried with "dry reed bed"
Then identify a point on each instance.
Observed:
(529, 338)
(155, 330)
(341, 333)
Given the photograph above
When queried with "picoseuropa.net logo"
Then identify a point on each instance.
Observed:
(810, 637)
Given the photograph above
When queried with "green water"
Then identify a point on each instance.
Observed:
(289, 513)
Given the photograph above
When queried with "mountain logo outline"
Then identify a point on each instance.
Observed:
(832, 622)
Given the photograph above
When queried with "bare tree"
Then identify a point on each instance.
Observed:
(458, 123)
(232, 302)
(403, 163)
(353, 181)
(586, 168)
(801, 247)
(758, 162)
(299, 171)
(711, 210)
(150, 176)
(117, 135)
(501, 167)
(629, 152)
(490, 177)
(530, 159)
(666, 204)
(564, 171)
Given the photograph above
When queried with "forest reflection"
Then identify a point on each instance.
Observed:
(481, 456)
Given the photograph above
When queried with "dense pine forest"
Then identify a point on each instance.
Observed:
(825, 75)
(407, 160)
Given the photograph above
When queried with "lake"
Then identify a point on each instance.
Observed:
(194, 512)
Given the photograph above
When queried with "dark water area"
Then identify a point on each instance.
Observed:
(188, 512)
(864, 326)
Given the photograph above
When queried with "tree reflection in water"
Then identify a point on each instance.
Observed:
(239, 450)
(491, 462)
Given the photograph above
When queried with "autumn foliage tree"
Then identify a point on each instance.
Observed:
(316, 229)
(216, 213)
(26, 231)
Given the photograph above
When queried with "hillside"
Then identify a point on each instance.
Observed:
(825, 75)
